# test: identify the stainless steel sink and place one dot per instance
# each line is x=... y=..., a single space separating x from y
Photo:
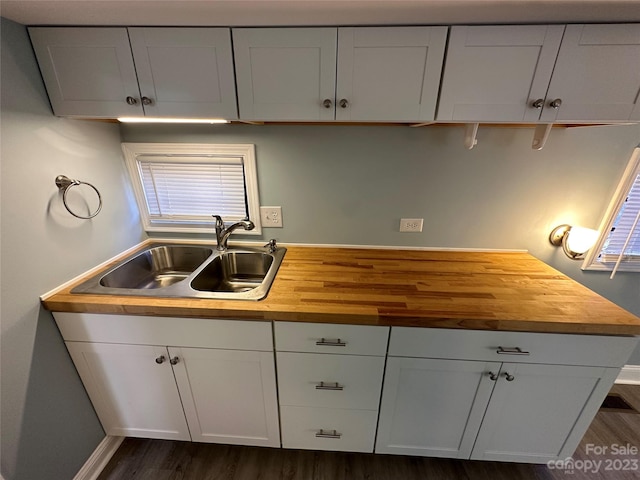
x=191 y=272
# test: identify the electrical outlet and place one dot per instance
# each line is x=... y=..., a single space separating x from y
x=271 y=216
x=411 y=224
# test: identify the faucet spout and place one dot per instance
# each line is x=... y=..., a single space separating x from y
x=222 y=233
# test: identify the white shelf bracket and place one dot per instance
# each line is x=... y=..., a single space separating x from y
x=540 y=135
x=470 y=132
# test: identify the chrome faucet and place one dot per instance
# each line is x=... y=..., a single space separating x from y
x=222 y=233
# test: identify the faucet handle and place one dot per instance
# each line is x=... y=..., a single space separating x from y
x=272 y=245
x=219 y=221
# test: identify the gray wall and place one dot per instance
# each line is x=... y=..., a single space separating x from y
x=49 y=428
x=352 y=184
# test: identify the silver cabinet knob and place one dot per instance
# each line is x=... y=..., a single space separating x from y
x=509 y=377
x=174 y=360
x=327 y=103
x=160 y=359
x=555 y=103
x=539 y=103
x=132 y=101
x=493 y=376
x=344 y=103
x=146 y=101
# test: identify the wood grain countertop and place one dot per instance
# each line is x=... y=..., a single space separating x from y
x=510 y=291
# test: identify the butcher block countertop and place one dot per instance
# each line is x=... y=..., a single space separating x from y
x=510 y=291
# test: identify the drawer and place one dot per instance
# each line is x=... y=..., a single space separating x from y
x=358 y=378
x=552 y=348
x=331 y=338
x=313 y=428
x=172 y=331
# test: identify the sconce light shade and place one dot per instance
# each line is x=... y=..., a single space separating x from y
x=575 y=241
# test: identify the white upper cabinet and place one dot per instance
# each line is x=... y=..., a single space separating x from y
x=496 y=73
x=379 y=74
x=597 y=75
x=285 y=73
x=181 y=72
x=581 y=73
x=88 y=71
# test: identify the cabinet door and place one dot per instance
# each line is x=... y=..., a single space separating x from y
x=495 y=73
x=596 y=77
x=87 y=71
x=185 y=72
x=433 y=407
x=389 y=74
x=285 y=73
x=133 y=394
x=229 y=396
x=542 y=413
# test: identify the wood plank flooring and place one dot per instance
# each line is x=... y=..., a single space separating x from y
x=141 y=459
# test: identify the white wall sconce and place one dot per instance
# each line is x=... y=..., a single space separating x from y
x=575 y=241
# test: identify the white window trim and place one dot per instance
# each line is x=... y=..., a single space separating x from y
x=245 y=151
x=624 y=187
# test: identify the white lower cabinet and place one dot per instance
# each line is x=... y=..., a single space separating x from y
x=329 y=401
x=522 y=407
x=218 y=395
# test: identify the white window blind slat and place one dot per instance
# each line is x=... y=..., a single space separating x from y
x=623 y=230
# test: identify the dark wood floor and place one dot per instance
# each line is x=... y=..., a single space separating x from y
x=140 y=459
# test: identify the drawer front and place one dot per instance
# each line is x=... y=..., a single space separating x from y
x=551 y=348
x=331 y=338
x=172 y=331
x=332 y=381
x=313 y=428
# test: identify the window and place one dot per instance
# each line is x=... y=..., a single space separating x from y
x=178 y=186
x=618 y=247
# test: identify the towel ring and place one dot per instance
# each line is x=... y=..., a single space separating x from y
x=64 y=183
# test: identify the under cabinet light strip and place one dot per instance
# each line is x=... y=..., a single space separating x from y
x=170 y=120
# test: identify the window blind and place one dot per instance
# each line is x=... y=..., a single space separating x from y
x=187 y=189
x=625 y=229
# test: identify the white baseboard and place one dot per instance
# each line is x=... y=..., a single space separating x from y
x=99 y=458
x=629 y=375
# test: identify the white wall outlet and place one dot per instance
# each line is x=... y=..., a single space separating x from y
x=411 y=224
x=271 y=216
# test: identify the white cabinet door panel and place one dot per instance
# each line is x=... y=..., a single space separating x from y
x=542 y=413
x=285 y=73
x=133 y=395
x=597 y=74
x=359 y=380
x=433 y=407
x=494 y=73
x=229 y=396
x=389 y=73
x=185 y=72
x=87 y=71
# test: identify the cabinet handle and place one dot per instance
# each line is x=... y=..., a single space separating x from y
x=539 y=103
x=329 y=386
x=555 y=103
x=146 y=101
x=493 y=376
x=328 y=434
x=511 y=351
x=160 y=359
x=327 y=103
x=509 y=377
x=344 y=103
x=174 y=360
x=132 y=101
x=324 y=342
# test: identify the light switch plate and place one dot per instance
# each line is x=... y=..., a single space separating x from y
x=271 y=216
x=411 y=224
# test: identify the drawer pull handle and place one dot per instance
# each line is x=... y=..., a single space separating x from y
x=509 y=377
x=326 y=342
x=493 y=376
x=328 y=434
x=329 y=386
x=511 y=351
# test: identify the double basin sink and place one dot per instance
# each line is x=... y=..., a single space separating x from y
x=190 y=271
